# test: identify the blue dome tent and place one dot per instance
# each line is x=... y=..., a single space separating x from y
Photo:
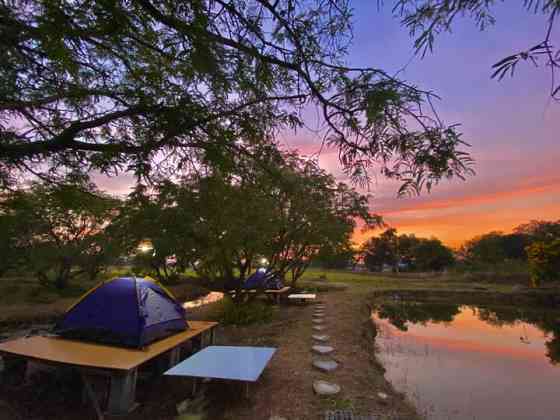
x=125 y=311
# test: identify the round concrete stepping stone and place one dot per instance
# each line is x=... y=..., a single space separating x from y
x=326 y=365
x=318 y=321
x=320 y=337
x=318 y=314
x=325 y=388
x=322 y=349
x=318 y=328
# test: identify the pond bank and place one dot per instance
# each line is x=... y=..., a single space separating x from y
x=549 y=298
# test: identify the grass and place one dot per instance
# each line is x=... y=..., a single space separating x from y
x=382 y=281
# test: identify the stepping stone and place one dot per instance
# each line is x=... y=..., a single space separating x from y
x=322 y=349
x=349 y=415
x=318 y=328
x=318 y=321
x=318 y=314
x=326 y=365
x=321 y=337
x=325 y=388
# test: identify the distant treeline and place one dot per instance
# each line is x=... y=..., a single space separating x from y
x=532 y=248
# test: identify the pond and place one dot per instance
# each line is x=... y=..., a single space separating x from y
x=469 y=362
x=204 y=300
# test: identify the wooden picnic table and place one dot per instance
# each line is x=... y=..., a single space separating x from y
x=118 y=363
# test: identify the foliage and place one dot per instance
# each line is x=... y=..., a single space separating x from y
x=55 y=228
x=406 y=252
x=381 y=250
x=340 y=257
x=544 y=261
x=223 y=223
x=427 y=19
x=155 y=88
x=431 y=255
x=495 y=248
x=252 y=312
x=540 y=230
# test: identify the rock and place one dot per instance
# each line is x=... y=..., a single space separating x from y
x=318 y=328
x=517 y=288
x=326 y=365
x=383 y=398
x=277 y=418
x=321 y=337
x=319 y=321
x=322 y=349
x=318 y=314
x=183 y=406
x=325 y=388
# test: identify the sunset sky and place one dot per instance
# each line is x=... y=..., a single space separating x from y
x=512 y=125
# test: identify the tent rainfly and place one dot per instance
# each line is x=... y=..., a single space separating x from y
x=124 y=311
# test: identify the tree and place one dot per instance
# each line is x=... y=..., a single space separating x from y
x=381 y=250
x=417 y=254
x=427 y=19
x=157 y=87
x=485 y=248
x=540 y=230
x=432 y=255
x=59 y=229
x=544 y=261
x=283 y=210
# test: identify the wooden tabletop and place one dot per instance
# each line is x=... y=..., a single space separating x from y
x=81 y=353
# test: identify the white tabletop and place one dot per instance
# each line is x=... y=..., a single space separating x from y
x=225 y=362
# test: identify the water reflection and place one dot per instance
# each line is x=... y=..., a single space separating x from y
x=465 y=362
x=401 y=314
x=209 y=298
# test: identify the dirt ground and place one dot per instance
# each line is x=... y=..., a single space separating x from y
x=284 y=389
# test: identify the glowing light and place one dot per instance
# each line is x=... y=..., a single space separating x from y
x=145 y=248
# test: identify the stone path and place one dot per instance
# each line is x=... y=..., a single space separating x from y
x=347 y=415
x=322 y=387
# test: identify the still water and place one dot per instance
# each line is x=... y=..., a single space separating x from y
x=466 y=362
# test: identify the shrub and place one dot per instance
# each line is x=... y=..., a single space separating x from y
x=544 y=261
x=244 y=313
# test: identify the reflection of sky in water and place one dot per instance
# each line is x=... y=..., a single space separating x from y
x=468 y=369
x=209 y=298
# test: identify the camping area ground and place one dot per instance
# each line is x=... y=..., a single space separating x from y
x=285 y=388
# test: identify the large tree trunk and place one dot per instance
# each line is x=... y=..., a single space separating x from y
x=61 y=280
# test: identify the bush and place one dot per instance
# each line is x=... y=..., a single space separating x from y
x=244 y=313
x=544 y=261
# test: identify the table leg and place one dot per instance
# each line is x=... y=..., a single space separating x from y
x=194 y=383
x=213 y=336
x=174 y=357
x=122 y=392
x=14 y=370
x=92 y=397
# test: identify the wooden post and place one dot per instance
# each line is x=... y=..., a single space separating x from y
x=122 y=392
x=213 y=336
